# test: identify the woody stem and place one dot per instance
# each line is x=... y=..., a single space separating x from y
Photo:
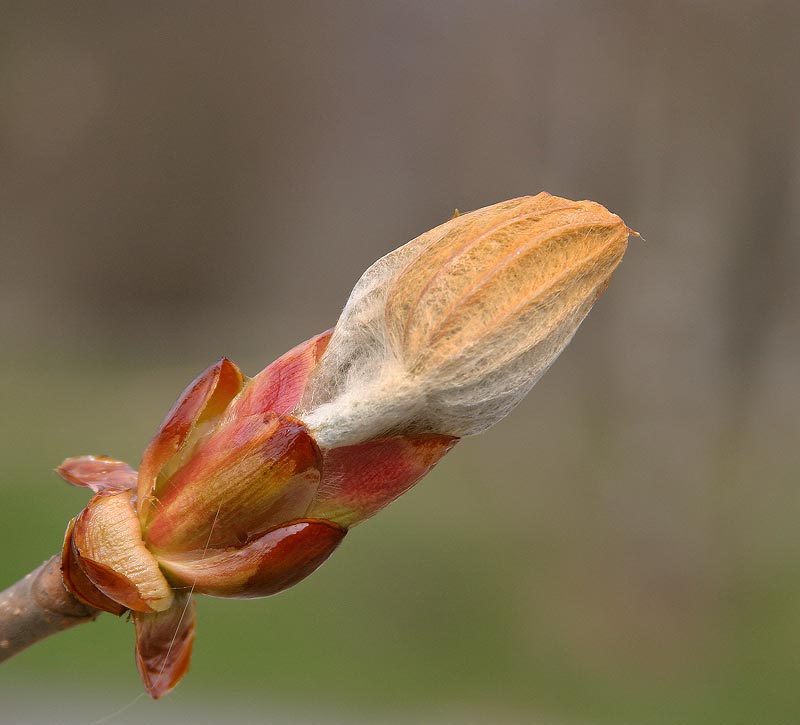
x=37 y=606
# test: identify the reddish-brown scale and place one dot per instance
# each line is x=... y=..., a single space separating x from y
x=358 y=481
x=78 y=584
x=114 y=585
x=108 y=542
x=279 y=387
x=275 y=561
x=98 y=473
x=206 y=397
x=164 y=642
x=249 y=476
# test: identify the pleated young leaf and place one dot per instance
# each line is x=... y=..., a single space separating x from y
x=449 y=332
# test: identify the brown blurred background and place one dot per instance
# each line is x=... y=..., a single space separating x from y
x=181 y=181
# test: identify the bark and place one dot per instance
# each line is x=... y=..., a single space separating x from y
x=36 y=607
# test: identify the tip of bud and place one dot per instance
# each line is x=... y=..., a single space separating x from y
x=634 y=233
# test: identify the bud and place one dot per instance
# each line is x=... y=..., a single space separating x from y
x=448 y=333
x=250 y=484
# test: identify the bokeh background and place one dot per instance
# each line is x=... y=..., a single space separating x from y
x=181 y=181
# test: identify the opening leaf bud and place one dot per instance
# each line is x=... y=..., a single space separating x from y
x=448 y=333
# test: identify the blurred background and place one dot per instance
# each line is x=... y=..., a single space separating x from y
x=181 y=181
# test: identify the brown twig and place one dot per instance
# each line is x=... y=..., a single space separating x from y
x=36 y=607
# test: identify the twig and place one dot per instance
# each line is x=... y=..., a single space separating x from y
x=36 y=607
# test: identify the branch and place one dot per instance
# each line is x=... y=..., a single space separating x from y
x=36 y=607
x=257 y=480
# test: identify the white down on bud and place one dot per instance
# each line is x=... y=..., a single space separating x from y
x=448 y=333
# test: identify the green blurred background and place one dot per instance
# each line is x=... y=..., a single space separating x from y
x=181 y=181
